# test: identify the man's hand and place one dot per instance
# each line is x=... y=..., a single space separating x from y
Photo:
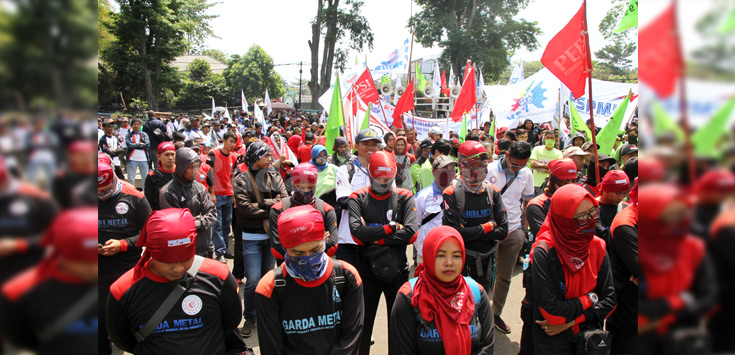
x=8 y=246
x=552 y=330
x=111 y=247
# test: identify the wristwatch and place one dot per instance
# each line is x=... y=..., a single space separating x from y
x=393 y=225
x=593 y=297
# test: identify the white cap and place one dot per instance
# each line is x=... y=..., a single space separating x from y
x=574 y=151
x=435 y=130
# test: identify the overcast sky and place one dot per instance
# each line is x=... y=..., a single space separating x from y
x=282 y=27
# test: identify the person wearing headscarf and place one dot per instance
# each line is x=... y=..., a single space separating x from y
x=342 y=154
x=327 y=172
x=404 y=159
x=572 y=282
x=309 y=285
x=305 y=184
x=253 y=211
x=183 y=192
x=611 y=192
x=65 y=277
x=389 y=140
x=454 y=313
x=204 y=322
x=166 y=155
x=677 y=281
x=712 y=190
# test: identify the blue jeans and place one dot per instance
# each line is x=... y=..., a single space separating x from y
x=258 y=261
x=221 y=234
x=132 y=169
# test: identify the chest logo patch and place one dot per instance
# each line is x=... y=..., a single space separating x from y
x=389 y=215
x=122 y=208
x=335 y=295
x=19 y=208
x=191 y=305
x=201 y=177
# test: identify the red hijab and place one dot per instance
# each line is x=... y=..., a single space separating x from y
x=571 y=240
x=449 y=305
x=660 y=245
x=294 y=142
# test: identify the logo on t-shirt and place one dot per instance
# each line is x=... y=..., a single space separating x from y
x=122 y=208
x=389 y=215
x=18 y=208
x=457 y=302
x=335 y=294
x=191 y=305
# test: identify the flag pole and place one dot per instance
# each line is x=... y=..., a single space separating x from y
x=683 y=106
x=589 y=83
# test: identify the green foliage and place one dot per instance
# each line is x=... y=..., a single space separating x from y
x=712 y=59
x=104 y=25
x=200 y=86
x=216 y=54
x=253 y=73
x=613 y=60
x=484 y=31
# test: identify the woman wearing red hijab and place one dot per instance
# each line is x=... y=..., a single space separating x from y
x=455 y=316
x=572 y=281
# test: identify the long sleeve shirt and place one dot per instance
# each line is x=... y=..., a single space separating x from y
x=472 y=223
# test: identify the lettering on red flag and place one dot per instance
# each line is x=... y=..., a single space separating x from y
x=566 y=55
x=365 y=88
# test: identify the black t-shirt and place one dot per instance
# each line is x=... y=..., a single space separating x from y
x=477 y=210
x=153 y=183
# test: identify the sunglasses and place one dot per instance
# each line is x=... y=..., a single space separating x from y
x=591 y=214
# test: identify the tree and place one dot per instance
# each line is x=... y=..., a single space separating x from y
x=613 y=60
x=483 y=31
x=104 y=25
x=216 y=54
x=253 y=73
x=337 y=25
x=712 y=60
x=150 y=34
x=195 y=22
x=200 y=86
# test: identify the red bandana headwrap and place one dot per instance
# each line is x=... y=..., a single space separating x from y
x=73 y=236
x=299 y=225
x=165 y=146
x=572 y=241
x=564 y=169
x=614 y=181
x=449 y=305
x=105 y=174
x=169 y=236
x=81 y=146
x=104 y=158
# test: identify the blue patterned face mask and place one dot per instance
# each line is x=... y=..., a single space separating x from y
x=307 y=268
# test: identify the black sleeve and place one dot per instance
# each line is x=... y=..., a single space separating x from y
x=276 y=248
x=402 y=339
x=624 y=243
x=15 y=325
x=118 y=326
x=208 y=211
x=535 y=216
x=142 y=211
x=500 y=215
x=211 y=159
x=330 y=225
x=554 y=310
x=365 y=234
x=704 y=290
x=353 y=313
x=231 y=305
x=487 y=322
x=410 y=226
x=605 y=290
x=452 y=218
x=601 y=231
x=149 y=192
x=166 y=198
x=270 y=334
x=146 y=141
x=210 y=176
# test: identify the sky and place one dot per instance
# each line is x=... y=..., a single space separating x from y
x=282 y=27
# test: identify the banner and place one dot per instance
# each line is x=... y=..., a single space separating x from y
x=397 y=61
x=704 y=98
x=607 y=97
x=535 y=98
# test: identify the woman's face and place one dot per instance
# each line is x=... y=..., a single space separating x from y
x=390 y=140
x=448 y=261
x=400 y=146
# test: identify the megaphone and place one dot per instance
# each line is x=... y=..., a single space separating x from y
x=454 y=93
x=386 y=89
x=429 y=91
x=400 y=90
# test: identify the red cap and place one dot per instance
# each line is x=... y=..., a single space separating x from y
x=73 y=235
x=614 y=181
x=105 y=174
x=81 y=146
x=564 y=168
x=650 y=170
x=304 y=172
x=299 y=225
x=716 y=181
x=104 y=158
x=164 y=146
x=546 y=126
x=471 y=149
x=382 y=165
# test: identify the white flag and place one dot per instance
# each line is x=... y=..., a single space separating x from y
x=517 y=74
x=437 y=81
x=227 y=114
x=212 y=106
x=268 y=106
x=244 y=101
x=258 y=114
x=452 y=78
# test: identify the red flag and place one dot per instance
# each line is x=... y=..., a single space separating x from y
x=445 y=89
x=467 y=97
x=566 y=55
x=405 y=104
x=466 y=71
x=659 y=54
x=364 y=87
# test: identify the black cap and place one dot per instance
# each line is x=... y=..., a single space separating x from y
x=628 y=149
x=426 y=143
x=604 y=157
x=367 y=134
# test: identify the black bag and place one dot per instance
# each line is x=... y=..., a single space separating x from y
x=384 y=263
x=162 y=136
x=687 y=341
x=593 y=342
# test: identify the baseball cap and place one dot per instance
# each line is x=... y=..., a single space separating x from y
x=109 y=122
x=572 y=151
x=455 y=141
x=304 y=172
x=366 y=134
x=588 y=144
x=442 y=161
x=564 y=168
x=614 y=181
x=472 y=149
x=382 y=165
x=604 y=157
x=105 y=174
x=435 y=130
x=206 y=124
x=426 y=143
x=628 y=149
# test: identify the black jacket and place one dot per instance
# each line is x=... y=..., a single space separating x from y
x=151 y=126
x=250 y=212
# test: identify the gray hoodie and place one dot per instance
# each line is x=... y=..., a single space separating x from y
x=180 y=193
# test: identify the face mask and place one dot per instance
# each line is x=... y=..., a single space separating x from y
x=307 y=268
x=381 y=189
x=346 y=154
x=303 y=197
x=549 y=143
x=473 y=178
x=111 y=192
x=320 y=161
x=633 y=140
x=443 y=179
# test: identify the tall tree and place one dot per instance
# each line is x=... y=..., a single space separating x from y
x=253 y=73
x=484 y=31
x=614 y=61
x=216 y=54
x=150 y=34
x=200 y=86
x=335 y=25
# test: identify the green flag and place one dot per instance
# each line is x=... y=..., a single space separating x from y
x=420 y=79
x=729 y=24
x=708 y=136
x=607 y=135
x=630 y=18
x=366 y=121
x=576 y=122
x=463 y=130
x=662 y=123
x=492 y=126
x=336 y=117
x=384 y=80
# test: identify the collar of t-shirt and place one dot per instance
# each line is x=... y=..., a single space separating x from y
x=436 y=189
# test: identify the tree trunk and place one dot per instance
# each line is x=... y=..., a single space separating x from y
x=330 y=40
x=143 y=54
x=314 y=48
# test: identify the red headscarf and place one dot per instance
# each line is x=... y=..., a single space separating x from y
x=571 y=240
x=169 y=236
x=660 y=243
x=650 y=170
x=294 y=142
x=449 y=305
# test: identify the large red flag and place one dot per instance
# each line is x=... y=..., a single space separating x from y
x=445 y=89
x=566 y=55
x=659 y=54
x=364 y=87
x=405 y=104
x=467 y=97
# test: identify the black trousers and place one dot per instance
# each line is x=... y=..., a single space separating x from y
x=238 y=264
x=371 y=291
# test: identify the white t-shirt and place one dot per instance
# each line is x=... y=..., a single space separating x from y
x=112 y=142
x=137 y=154
x=513 y=197
x=427 y=203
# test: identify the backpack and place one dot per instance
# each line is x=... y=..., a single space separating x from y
x=318 y=204
x=459 y=194
x=279 y=282
x=470 y=282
